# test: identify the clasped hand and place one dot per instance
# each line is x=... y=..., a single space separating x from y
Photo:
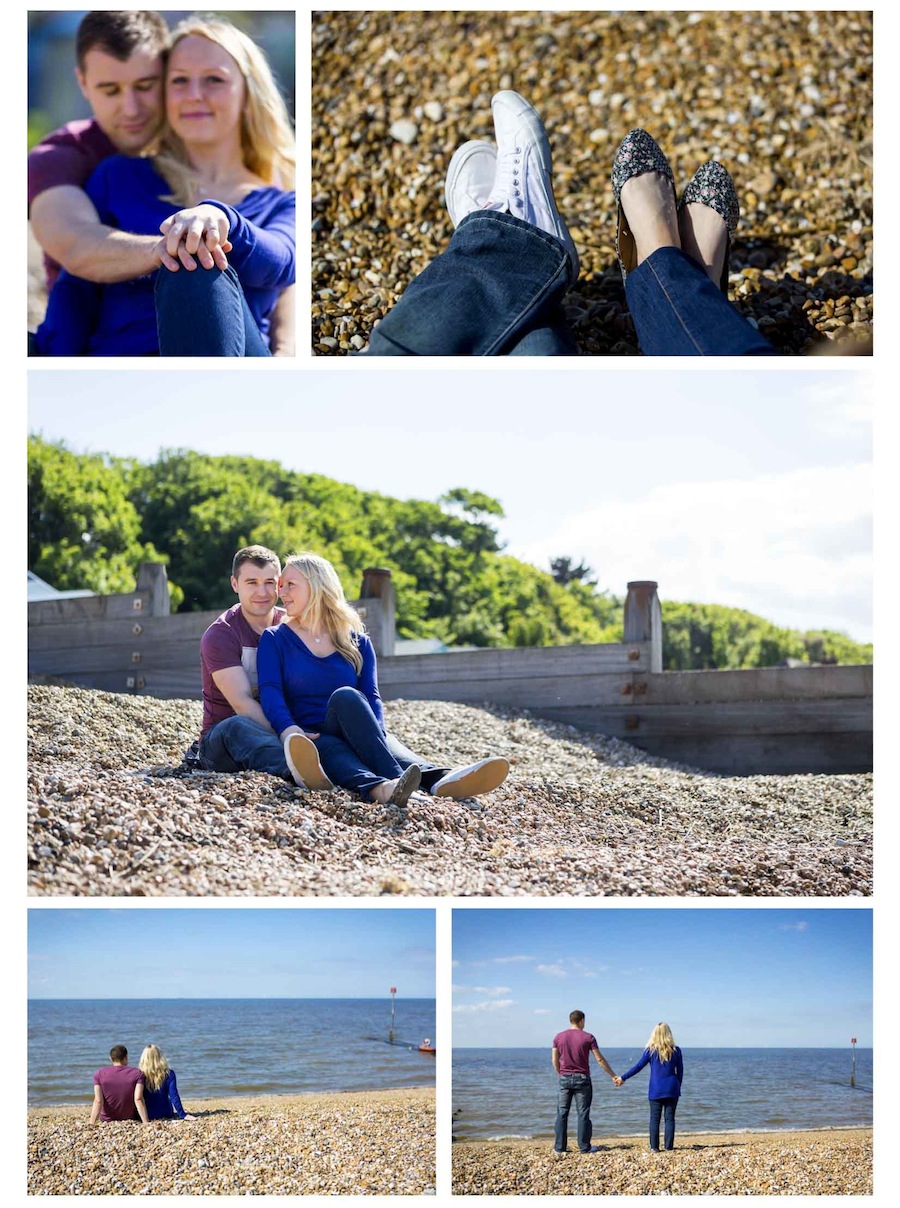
x=617 y=1081
x=199 y=231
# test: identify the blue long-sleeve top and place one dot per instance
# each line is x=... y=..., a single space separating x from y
x=119 y=319
x=665 y=1076
x=164 y=1103
x=295 y=685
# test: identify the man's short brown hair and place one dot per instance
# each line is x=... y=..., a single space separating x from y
x=259 y=555
x=118 y=1053
x=576 y=1017
x=120 y=34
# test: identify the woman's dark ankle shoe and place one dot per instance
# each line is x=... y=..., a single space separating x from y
x=638 y=153
x=406 y=785
x=711 y=185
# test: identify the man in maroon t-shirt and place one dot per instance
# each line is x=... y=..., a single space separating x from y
x=120 y=63
x=236 y=734
x=570 y=1056
x=118 y=1090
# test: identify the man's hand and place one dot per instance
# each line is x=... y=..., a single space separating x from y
x=140 y=1104
x=97 y=1105
x=617 y=1081
x=200 y=231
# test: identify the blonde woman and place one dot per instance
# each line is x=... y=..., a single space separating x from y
x=220 y=189
x=666 y=1073
x=318 y=687
x=160 y=1088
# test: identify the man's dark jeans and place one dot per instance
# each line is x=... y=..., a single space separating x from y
x=577 y=1087
x=657 y=1107
x=240 y=744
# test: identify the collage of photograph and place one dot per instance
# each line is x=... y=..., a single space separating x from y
x=448 y=780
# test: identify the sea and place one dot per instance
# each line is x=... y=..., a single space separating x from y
x=221 y=1047
x=506 y=1093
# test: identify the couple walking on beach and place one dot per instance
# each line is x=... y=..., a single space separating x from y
x=146 y=1092
x=293 y=691
x=570 y=1055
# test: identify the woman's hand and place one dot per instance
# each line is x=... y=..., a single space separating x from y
x=200 y=231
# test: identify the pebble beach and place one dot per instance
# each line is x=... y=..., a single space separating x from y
x=110 y=812
x=361 y=1143
x=783 y=99
x=783 y=1163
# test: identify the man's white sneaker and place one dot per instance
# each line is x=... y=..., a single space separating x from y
x=470 y=178
x=523 y=183
x=473 y=780
x=303 y=764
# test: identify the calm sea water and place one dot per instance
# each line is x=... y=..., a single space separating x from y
x=512 y=1092
x=220 y=1047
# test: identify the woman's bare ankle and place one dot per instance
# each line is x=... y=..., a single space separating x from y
x=648 y=202
x=704 y=237
x=381 y=793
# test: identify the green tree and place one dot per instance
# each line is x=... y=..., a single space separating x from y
x=83 y=531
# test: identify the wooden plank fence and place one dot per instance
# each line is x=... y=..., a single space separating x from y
x=765 y=720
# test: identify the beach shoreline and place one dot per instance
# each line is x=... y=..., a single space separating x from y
x=827 y=1161
x=334 y=1143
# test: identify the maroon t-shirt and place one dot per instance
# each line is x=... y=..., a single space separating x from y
x=230 y=641
x=66 y=157
x=117 y=1083
x=575 y=1047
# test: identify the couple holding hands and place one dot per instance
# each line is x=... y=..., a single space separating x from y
x=570 y=1055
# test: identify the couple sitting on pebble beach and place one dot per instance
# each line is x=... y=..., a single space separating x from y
x=570 y=1056
x=293 y=691
x=148 y=1092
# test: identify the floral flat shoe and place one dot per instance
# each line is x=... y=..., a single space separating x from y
x=712 y=186
x=637 y=153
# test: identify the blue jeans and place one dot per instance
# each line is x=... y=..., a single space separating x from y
x=203 y=313
x=496 y=291
x=580 y=1088
x=678 y=312
x=240 y=744
x=657 y=1107
x=356 y=753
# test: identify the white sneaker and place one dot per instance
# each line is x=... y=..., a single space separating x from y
x=303 y=764
x=523 y=183
x=470 y=781
x=470 y=178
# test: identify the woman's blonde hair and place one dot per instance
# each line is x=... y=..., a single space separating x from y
x=154 y=1067
x=327 y=607
x=662 y=1041
x=267 y=139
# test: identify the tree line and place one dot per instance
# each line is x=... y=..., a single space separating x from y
x=93 y=518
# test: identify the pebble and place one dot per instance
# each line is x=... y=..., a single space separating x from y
x=112 y=813
x=827 y=1162
x=785 y=103
x=360 y=1143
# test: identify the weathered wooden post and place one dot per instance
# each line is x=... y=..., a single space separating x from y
x=643 y=619
x=391 y=1033
x=853 y=1062
x=152 y=578
x=381 y=621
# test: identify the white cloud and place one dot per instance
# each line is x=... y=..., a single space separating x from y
x=490 y=991
x=795 y=926
x=509 y=960
x=543 y=1011
x=476 y=1008
x=794 y=547
x=551 y=970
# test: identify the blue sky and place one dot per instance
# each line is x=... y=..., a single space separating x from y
x=720 y=977
x=234 y=953
x=751 y=489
